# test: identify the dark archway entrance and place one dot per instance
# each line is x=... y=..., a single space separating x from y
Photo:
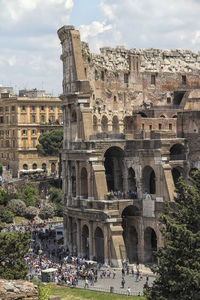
x=113 y=168
x=177 y=152
x=85 y=242
x=176 y=174
x=99 y=245
x=130 y=235
x=149 y=180
x=150 y=245
x=131 y=180
x=84 y=183
x=73 y=182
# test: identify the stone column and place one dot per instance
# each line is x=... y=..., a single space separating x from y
x=91 y=240
x=140 y=247
x=125 y=179
x=78 y=189
x=79 y=239
x=106 y=245
x=90 y=182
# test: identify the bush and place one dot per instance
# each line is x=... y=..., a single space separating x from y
x=29 y=194
x=7 y=216
x=17 y=206
x=31 y=212
x=47 y=211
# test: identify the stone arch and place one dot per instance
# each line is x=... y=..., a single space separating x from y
x=85 y=242
x=84 y=183
x=34 y=166
x=142 y=114
x=131 y=180
x=99 y=244
x=115 y=124
x=25 y=167
x=44 y=166
x=130 y=234
x=177 y=172
x=104 y=124
x=174 y=116
x=150 y=245
x=177 y=152
x=163 y=116
x=95 y=124
x=114 y=168
x=149 y=180
x=74 y=116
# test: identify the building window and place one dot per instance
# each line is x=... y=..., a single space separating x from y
x=7 y=108
x=1 y=155
x=115 y=99
x=42 y=131
x=7 y=143
x=61 y=119
x=1 y=108
x=51 y=119
x=34 y=142
x=13 y=119
x=33 y=132
x=7 y=132
x=33 y=108
x=42 y=118
x=13 y=143
x=126 y=78
x=183 y=80
x=60 y=108
x=102 y=75
x=34 y=166
x=23 y=108
x=7 y=119
x=153 y=79
x=13 y=108
x=13 y=133
x=168 y=99
x=42 y=107
x=1 y=119
x=150 y=127
x=23 y=132
x=142 y=126
x=33 y=118
x=51 y=108
x=25 y=167
x=159 y=126
x=170 y=126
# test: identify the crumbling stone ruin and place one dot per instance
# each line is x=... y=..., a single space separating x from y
x=131 y=129
x=17 y=289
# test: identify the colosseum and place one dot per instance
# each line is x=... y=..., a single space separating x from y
x=131 y=129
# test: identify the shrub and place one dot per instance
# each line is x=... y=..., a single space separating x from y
x=47 y=211
x=17 y=206
x=31 y=212
x=7 y=216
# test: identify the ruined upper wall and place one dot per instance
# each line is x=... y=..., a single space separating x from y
x=150 y=60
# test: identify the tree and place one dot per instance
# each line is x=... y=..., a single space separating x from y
x=55 y=196
x=6 y=215
x=178 y=271
x=50 y=142
x=17 y=206
x=13 y=247
x=31 y=212
x=29 y=194
x=47 y=211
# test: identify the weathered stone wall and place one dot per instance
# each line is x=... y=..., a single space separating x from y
x=17 y=290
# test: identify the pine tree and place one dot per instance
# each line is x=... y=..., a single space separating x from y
x=13 y=247
x=178 y=270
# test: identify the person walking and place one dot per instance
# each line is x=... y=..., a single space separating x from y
x=128 y=291
x=123 y=282
x=86 y=283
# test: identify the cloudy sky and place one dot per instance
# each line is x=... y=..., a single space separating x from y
x=30 y=49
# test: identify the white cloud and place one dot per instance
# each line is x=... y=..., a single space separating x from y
x=93 y=29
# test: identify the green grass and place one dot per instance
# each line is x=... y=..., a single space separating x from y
x=19 y=220
x=67 y=293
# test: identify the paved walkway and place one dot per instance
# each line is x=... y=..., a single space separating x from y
x=107 y=283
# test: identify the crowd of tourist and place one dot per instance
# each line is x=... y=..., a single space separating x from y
x=121 y=195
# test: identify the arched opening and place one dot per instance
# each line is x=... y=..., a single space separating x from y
x=95 y=124
x=176 y=173
x=84 y=183
x=131 y=181
x=74 y=117
x=174 y=117
x=150 y=245
x=162 y=116
x=73 y=174
x=74 y=239
x=104 y=124
x=25 y=167
x=149 y=180
x=113 y=168
x=130 y=235
x=34 y=166
x=177 y=152
x=53 y=168
x=143 y=115
x=85 y=242
x=115 y=124
x=99 y=245
x=44 y=167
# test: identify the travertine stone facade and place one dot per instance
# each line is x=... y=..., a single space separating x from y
x=18 y=289
x=125 y=144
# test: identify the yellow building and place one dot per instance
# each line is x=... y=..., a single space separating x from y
x=22 y=121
